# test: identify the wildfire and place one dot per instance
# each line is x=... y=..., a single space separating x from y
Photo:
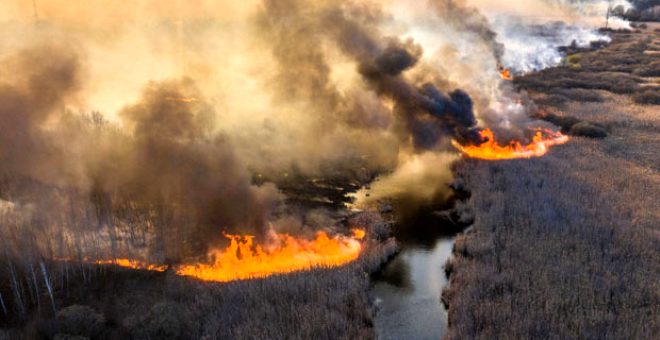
x=359 y=233
x=134 y=264
x=505 y=74
x=244 y=259
x=541 y=143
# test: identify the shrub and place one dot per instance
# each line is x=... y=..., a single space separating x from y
x=649 y=70
x=552 y=100
x=574 y=59
x=80 y=321
x=585 y=129
x=649 y=97
x=165 y=320
x=565 y=78
x=564 y=122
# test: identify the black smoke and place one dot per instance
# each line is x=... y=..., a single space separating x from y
x=177 y=158
x=165 y=171
x=36 y=81
x=427 y=113
x=298 y=30
x=451 y=115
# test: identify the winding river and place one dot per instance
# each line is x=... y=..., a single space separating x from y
x=406 y=291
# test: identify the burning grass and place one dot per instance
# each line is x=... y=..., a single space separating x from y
x=244 y=259
x=491 y=150
x=133 y=264
x=125 y=303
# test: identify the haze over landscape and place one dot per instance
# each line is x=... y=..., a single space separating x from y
x=455 y=169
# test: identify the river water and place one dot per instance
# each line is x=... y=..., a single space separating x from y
x=407 y=292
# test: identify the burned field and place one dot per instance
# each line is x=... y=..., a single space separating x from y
x=565 y=246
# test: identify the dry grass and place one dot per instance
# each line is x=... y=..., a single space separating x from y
x=565 y=246
x=129 y=304
x=648 y=96
x=567 y=79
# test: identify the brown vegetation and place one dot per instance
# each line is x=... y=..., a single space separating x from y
x=565 y=246
x=585 y=129
x=649 y=96
x=107 y=302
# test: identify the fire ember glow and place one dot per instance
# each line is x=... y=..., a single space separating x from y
x=134 y=264
x=491 y=150
x=244 y=259
x=505 y=74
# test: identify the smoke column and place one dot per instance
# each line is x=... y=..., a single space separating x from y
x=143 y=136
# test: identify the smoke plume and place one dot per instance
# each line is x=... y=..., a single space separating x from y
x=144 y=136
x=176 y=157
x=36 y=82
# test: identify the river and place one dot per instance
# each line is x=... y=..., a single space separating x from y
x=407 y=291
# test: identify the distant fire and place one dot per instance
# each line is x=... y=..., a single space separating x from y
x=491 y=150
x=359 y=233
x=244 y=259
x=134 y=264
x=505 y=74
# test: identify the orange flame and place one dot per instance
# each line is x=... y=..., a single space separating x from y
x=134 y=264
x=541 y=143
x=245 y=260
x=505 y=74
x=359 y=233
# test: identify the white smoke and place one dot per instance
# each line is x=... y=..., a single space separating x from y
x=532 y=47
x=533 y=30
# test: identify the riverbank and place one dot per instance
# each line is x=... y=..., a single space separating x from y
x=406 y=290
x=406 y=293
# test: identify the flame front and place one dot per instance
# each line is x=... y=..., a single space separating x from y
x=134 y=264
x=541 y=143
x=244 y=259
